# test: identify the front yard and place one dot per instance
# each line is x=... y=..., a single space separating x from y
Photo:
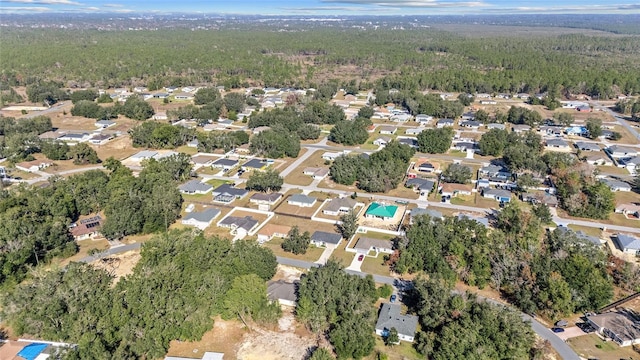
x=275 y=244
x=592 y=347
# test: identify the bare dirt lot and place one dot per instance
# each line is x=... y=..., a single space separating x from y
x=119 y=265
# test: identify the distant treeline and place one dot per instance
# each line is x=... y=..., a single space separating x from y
x=411 y=59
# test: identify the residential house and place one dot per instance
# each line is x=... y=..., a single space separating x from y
x=468 y=116
x=316 y=173
x=254 y=164
x=140 y=89
x=520 y=128
x=424 y=186
x=557 y=144
x=270 y=231
x=496 y=126
x=463 y=146
x=412 y=142
x=242 y=149
x=401 y=117
x=49 y=135
x=183 y=96
x=225 y=164
x=214 y=127
x=143 y=155
x=189 y=89
x=100 y=139
x=103 y=124
x=587 y=146
x=326 y=239
x=482 y=220
x=388 y=130
x=576 y=131
x=426 y=167
x=75 y=137
x=380 y=211
x=366 y=245
x=540 y=198
x=283 y=292
x=414 y=131
x=503 y=96
x=629 y=210
x=382 y=141
x=86 y=228
x=265 y=199
x=616 y=185
x=555 y=131
x=453 y=190
x=301 y=200
x=161 y=95
x=226 y=193
x=193 y=143
x=483 y=96
x=424 y=119
x=259 y=129
x=331 y=156
x=631 y=164
x=337 y=206
x=200 y=160
x=494 y=173
x=523 y=96
x=482 y=184
x=599 y=159
x=390 y=317
x=170 y=89
x=445 y=123
x=193 y=187
x=584 y=108
x=33 y=166
x=434 y=214
x=628 y=244
x=239 y=225
x=201 y=219
x=488 y=102
x=471 y=124
x=160 y=115
x=500 y=195
x=621 y=327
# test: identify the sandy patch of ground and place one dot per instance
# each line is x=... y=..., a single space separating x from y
x=287 y=273
x=271 y=345
x=119 y=265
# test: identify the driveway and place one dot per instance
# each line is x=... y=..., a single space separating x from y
x=570 y=332
x=355 y=264
x=326 y=254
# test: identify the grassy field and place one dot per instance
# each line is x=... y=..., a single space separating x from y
x=275 y=244
x=404 y=351
x=592 y=347
x=587 y=230
x=375 y=265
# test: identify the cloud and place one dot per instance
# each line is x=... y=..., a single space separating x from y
x=567 y=9
x=412 y=3
x=9 y=9
x=91 y=8
x=337 y=8
x=44 y=2
x=113 y=5
x=123 y=11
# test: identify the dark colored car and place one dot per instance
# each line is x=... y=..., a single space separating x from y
x=361 y=257
x=393 y=298
x=557 y=330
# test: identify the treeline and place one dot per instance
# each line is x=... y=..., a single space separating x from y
x=416 y=103
x=19 y=138
x=181 y=281
x=134 y=108
x=151 y=134
x=34 y=221
x=303 y=123
x=419 y=59
x=380 y=172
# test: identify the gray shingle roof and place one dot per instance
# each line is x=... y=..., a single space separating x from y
x=195 y=186
x=628 y=242
x=365 y=243
x=225 y=162
x=282 y=290
x=390 y=317
x=246 y=222
x=226 y=189
x=433 y=213
x=203 y=216
x=340 y=203
x=326 y=237
x=303 y=199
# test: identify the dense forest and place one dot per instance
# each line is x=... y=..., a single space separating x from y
x=413 y=59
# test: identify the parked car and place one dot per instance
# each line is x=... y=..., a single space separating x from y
x=393 y=298
x=557 y=330
x=361 y=257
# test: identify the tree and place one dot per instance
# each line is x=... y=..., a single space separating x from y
x=78 y=95
x=456 y=173
x=267 y=181
x=365 y=112
x=276 y=143
x=493 y=142
x=235 y=102
x=348 y=224
x=482 y=116
x=594 y=127
x=435 y=141
x=55 y=150
x=247 y=298
x=542 y=212
x=349 y=132
x=392 y=338
x=466 y=99
x=321 y=354
x=563 y=118
x=88 y=109
x=83 y=154
x=137 y=109
x=206 y=96
x=296 y=242
x=104 y=99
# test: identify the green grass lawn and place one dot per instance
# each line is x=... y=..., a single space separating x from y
x=587 y=230
x=215 y=183
x=275 y=244
x=376 y=265
x=404 y=351
x=591 y=346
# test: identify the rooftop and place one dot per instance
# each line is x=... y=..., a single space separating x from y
x=326 y=237
x=301 y=198
x=365 y=243
x=203 y=216
x=390 y=317
x=381 y=210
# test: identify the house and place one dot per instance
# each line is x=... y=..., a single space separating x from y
x=557 y=144
x=100 y=139
x=464 y=146
x=480 y=220
x=316 y=173
x=339 y=206
x=494 y=173
x=500 y=195
x=401 y=117
x=599 y=159
x=496 y=126
x=503 y=96
x=380 y=211
x=390 y=317
x=576 y=131
x=388 y=130
x=426 y=167
x=259 y=129
x=587 y=146
x=239 y=225
x=86 y=228
x=265 y=199
x=424 y=119
x=224 y=164
x=189 y=89
x=139 y=89
x=483 y=96
x=192 y=187
x=621 y=327
x=412 y=142
x=193 y=143
x=629 y=210
x=540 y=198
x=434 y=214
x=143 y=155
x=555 y=131
x=270 y=231
x=366 y=245
x=75 y=137
x=49 y=135
x=254 y=164
x=616 y=185
x=482 y=184
x=226 y=193
x=183 y=96
x=631 y=164
x=414 y=131
x=29 y=349
x=331 y=156
x=584 y=108
x=422 y=185
x=161 y=95
x=283 y=292
x=445 y=123
x=170 y=89
x=453 y=190
x=103 y=124
x=200 y=160
x=160 y=115
x=201 y=219
x=520 y=128
x=326 y=239
x=301 y=200
x=33 y=166
x=471 y=124
x=523 y=96
x=488 y=102
x=628 y=244
x=382 y=141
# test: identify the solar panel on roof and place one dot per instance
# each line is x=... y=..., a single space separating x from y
x=92 y=225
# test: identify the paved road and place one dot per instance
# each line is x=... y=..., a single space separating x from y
x=620 y=120
x=111 y=251
x=44 y=175
x=301 y=159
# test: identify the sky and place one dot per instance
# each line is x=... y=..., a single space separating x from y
x=325 y=7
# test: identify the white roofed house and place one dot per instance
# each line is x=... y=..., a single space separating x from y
x=619 y=152
x=201 y=219
x=195 y=187
x=631 y=164
x=616 y=185
x=33 y=166
x=445 y=123
x=557 y=145
x=388 y=130
x=75 y=137
x=326 y=239
x=424 y=119
x=316 y=173
x=587 y=146
x=366 y=245
x=100 y=139
x=599 y=159
x=382 y=141
x=240 y=226
x=472 y=124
